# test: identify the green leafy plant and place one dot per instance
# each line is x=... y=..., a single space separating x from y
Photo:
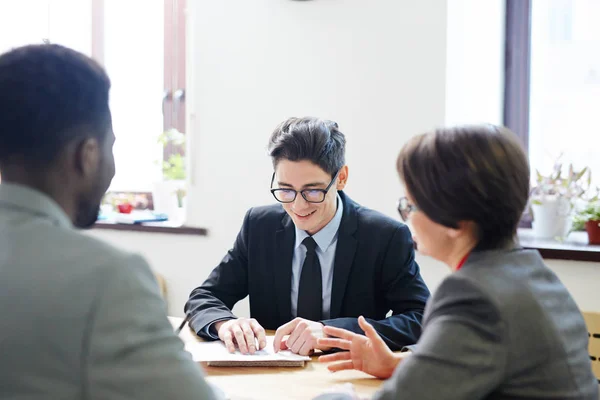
x=590 y=213
x=174 y=167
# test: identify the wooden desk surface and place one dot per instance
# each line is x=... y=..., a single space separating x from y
x=254 y=383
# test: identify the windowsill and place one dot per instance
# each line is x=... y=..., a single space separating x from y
x=154 y=227
x=574 y=247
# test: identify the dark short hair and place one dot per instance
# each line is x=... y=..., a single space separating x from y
x=476 y=173
x=316 y=140
x=49 y=96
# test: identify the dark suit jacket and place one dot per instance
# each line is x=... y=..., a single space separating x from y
x=374 y=272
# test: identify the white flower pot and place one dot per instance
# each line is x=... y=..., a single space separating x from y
x=551 y=218
x=164 y=196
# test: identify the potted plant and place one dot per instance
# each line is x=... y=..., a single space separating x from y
x=174 y=166
x=554 y=197
x=168 y=194
x=589 y=219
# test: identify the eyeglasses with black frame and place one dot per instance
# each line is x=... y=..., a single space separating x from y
x=310 y=195
x=405 y=208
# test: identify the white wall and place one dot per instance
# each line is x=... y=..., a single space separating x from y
x=379 y=70
x=580 y=278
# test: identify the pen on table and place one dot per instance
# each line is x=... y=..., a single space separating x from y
x=180 y=327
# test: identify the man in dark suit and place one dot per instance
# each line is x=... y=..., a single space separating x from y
x=317 y=259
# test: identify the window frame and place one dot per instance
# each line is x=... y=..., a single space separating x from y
x=517 y=76
x=174 y=105
x=174 y=79
x=517 y=68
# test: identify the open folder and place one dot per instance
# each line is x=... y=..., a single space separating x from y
x=215 y=354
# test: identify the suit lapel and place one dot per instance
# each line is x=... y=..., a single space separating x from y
x=344 y=255
x=284 y=251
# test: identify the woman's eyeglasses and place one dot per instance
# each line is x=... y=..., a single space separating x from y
x=405 y=208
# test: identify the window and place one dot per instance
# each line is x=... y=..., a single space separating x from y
x=552 y=86
x=142 y=46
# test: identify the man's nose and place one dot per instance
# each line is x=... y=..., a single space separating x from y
x=300 y=202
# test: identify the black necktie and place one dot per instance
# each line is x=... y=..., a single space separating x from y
x=310 y=290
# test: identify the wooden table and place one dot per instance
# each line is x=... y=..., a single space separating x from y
x=253 y=383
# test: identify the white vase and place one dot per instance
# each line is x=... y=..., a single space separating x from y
x=164 y=197
x=551 y=218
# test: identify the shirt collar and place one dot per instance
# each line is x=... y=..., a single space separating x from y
x=33 y=201
x=325 y=236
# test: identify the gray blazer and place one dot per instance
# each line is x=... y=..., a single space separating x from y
x=502 y=327
x=80 y=319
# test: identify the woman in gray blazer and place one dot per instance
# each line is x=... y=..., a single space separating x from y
x=502 y=325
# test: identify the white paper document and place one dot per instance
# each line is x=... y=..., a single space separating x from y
x=216 y=354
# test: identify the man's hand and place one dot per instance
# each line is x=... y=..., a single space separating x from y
x=303 y=336
x=367 y=353
x=242 y=331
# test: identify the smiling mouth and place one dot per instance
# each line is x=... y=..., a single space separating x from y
x=305 y=215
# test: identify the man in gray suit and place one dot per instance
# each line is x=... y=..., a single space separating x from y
x=79 y=318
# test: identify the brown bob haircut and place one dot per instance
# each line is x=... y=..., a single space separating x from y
x=477 y=173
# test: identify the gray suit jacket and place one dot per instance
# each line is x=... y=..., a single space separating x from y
x=502 y=327
x=80 y=319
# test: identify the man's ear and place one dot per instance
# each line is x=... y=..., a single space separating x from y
x=342 y=178
x=87 y=156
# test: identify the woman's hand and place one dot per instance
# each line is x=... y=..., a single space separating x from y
x=367 y=353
